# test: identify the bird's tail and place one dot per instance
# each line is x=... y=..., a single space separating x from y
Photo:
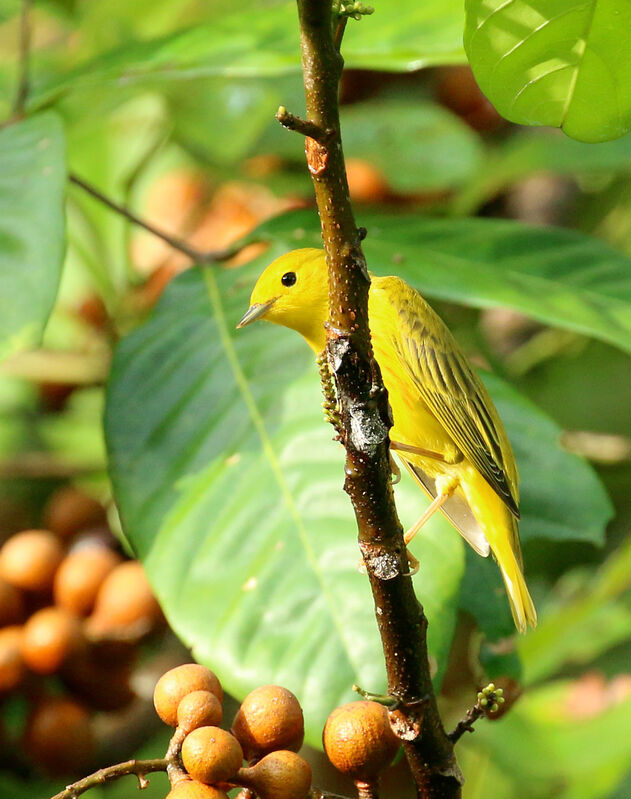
x=508 y=557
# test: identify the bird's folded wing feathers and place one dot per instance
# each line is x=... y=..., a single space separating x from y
x=457 y=397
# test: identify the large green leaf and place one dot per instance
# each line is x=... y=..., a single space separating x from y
x=32 y=175
x=557 y=276
x=555 y=62
x=230 y=490
x=263 y=40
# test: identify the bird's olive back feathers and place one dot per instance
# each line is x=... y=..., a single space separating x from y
x=450 y=387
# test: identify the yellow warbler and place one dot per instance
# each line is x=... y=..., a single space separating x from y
x=446 y=429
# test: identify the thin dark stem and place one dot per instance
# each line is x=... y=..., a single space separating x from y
x=139 y=768
x=339 y=32
x=466 y=724
x=490 y=699
x=197 y=256
x=22 y=90
x=366 y=419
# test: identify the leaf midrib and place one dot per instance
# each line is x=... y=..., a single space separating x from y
x=214 y=297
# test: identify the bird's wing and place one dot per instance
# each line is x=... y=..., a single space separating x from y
x=458 y=399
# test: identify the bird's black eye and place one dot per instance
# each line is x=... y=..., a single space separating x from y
x=288 y=279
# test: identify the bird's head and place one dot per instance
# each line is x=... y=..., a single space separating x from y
x=293 y=291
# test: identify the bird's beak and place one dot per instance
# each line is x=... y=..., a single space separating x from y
x=255 y=312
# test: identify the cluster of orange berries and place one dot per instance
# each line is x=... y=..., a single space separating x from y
x=72 y=611
x=267 y=731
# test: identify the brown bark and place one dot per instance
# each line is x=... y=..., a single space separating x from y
x=366 y=420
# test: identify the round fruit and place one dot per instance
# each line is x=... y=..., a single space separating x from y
x=199 y=709
x=211 y=755
x=11 y=604
x=69 y=511
x=269 y=718
x=365 y=182
x=50 y=636
x=176 y=683
x=30 y=559
x=59 y=737
x=279 y=775
x=124 y=601
x=12 y=668
x=192 y=789
x=79 y=578
x=358 y=739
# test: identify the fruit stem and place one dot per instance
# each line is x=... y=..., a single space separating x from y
x=367 y=790
x=175 y=770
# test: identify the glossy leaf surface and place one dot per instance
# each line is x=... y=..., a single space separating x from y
x=554 y=62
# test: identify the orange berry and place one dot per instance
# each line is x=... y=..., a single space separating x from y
x=124 y=600
x=279 y=775
x=59 y=737
x=11 y=604
x=269 y=718
x=176 y=683
x=365 y=182
x=192 y=789
x=12 y=668
x=50 y=636
x=80 y=576
x=358 y=739
x=211 y=755
x=69 y=510
x=30 y=559
x=199 y=709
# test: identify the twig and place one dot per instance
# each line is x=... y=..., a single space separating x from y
x=466 y=724
x=197 y=256
x=339 y=32
x=139 y=768
x=292 y=122
x=22 y=90
x=489 y=700
x=363 y=401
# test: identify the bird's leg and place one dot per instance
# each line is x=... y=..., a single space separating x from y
x=426 y=453
x=445 y=488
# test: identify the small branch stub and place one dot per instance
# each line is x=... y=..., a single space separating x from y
x=309 y=129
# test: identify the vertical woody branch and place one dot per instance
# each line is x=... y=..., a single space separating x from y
x=365 y=415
